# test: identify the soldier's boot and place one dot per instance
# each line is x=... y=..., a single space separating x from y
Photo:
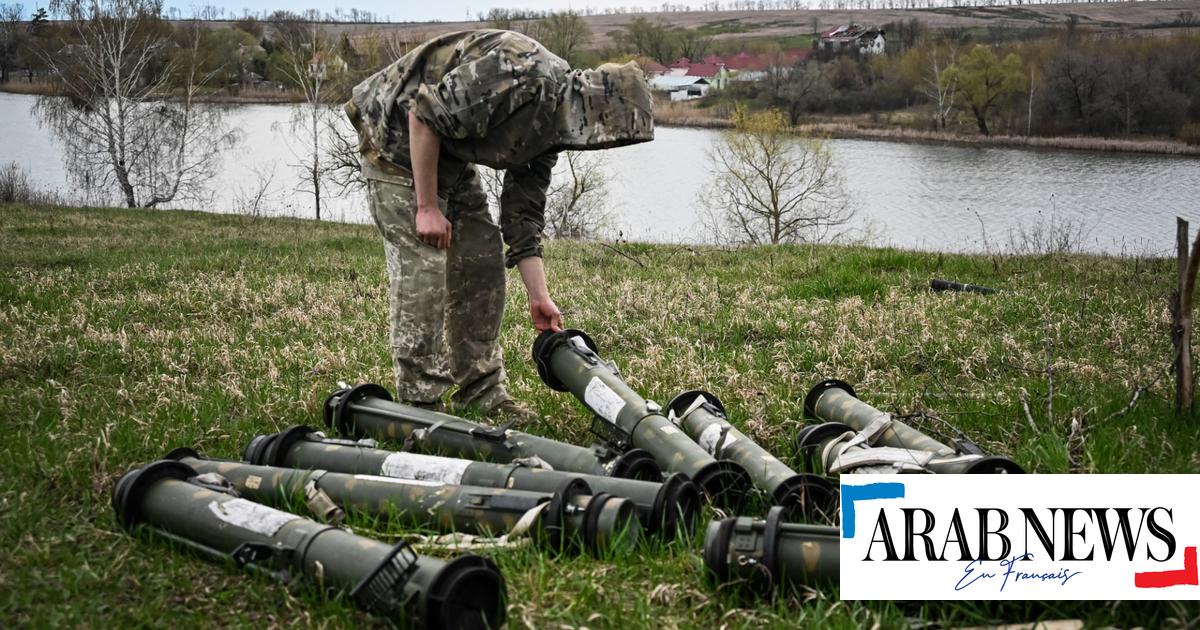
x=512 y=413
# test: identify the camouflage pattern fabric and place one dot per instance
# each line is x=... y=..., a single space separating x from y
x=500 y=99
x=445 y=305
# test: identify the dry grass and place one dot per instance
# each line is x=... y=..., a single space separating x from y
x=126 y=333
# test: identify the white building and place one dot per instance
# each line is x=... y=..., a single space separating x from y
x=681 y=88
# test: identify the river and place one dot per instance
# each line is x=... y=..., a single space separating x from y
x=923 y=196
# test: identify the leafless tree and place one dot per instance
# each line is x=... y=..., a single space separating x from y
x=11 y=34
x=307 y=60
x=564 y=34
x=771 y=186
x=576 y=203
x=939 y=86
x=131 y=116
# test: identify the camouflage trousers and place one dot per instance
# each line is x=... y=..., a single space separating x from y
x=445 y=305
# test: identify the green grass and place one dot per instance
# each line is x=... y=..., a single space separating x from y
x=126 y=333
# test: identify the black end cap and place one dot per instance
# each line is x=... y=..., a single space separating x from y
x=469 y=592
x=274 y=451
x=177 y=454
x=683 y=400
x=724 y=483
x=129 y=489
x=716 y=547
x=337 y=407
x=770 y=560
x=636 y=463
x=543 y=349
x=810 y=401
x=676 y=507
x=809 y=438
x=806 y=498
x=554 y=519
x=256 y=449
x=995 y=465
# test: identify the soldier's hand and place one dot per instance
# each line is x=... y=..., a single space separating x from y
x=545 y=314
x=432 y=228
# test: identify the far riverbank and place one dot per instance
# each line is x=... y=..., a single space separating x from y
x=851 y=128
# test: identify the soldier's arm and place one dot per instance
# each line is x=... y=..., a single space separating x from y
x=432 y=226
x=522 y=218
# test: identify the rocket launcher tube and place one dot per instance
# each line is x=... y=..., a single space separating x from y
x=567 y=361
x=702 y=416
x=368 y=411
x=559 y=525
x=835 y=401
x=662 y=507
x=393 y=581
x=882 y=440
x=769 y=553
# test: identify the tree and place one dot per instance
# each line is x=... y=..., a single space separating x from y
x=771 y=186
x=576 y=201
x=565 y=34
x=11 y=37
x=304 y=58
x=982 y=80
x=131 y=117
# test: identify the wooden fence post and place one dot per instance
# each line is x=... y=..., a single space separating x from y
x=1181 y=315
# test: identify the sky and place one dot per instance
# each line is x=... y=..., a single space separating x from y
x=410 y=10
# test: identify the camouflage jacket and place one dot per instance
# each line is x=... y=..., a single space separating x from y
x=500 y=99
x=472 y=88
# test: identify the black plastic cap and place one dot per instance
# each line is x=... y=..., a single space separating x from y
x=337 y=407
x=683 y=400
x=995 y=465
x=809 y=438
x=716 y=547
x=274 y=451
x=256 y=449
x=814 y=394
x=676 y=507
x=636 y=464
x=129 y=490
x=554 y=519
x=544 y=347
x=725 y=484
x=806 y=498
x=469 y=592
x=182 y=452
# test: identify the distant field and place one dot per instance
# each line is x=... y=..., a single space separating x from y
x=775 y=24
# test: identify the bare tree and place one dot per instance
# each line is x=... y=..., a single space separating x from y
x=11 y=34
x=131 y=116
x=940 y=86
x=306 y=60
x=576 y=203
x=771 y=186
x=565 y=34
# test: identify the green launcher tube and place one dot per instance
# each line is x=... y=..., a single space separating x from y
x=702 y=417
x=663 y=508
x=368 y=411
x=559 y=521
x=166 y=498
x=770 y=553
x=567 y=361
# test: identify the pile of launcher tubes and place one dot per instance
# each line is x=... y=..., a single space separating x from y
x=651 y=476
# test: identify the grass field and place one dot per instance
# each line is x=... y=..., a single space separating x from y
x=126 y=333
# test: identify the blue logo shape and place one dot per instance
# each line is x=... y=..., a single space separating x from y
x=850 y=494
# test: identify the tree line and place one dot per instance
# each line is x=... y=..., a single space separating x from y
x=1063 y=82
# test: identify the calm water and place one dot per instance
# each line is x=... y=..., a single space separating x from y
x=916 y=196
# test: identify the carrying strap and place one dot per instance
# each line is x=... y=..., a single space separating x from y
x=855 y=451
x=458 y=541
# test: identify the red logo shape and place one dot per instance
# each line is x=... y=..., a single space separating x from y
x=1188 y=575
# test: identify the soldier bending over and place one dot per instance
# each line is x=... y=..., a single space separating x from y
x=489 y=97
